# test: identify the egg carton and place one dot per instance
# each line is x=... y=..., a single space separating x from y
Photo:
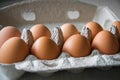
x=54 y=13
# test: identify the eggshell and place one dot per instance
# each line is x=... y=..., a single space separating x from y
x=8 y=32
x=45 y=49
x=94 y=27
x=68 y=30
x=106 y=43
x=13 y=50
x=77 y=46
x=39 y=30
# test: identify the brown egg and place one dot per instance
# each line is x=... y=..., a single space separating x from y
x=94 y=27
x=68 y=30
x=106 y=43
x=117 y=24
x=45 y=49
x=39 y=30
x=77 y=46
x=8 y=32
x=13 y=50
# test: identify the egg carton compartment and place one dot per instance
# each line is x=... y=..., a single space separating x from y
x=53 y=14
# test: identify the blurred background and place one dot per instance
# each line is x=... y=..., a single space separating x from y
x=112 y=4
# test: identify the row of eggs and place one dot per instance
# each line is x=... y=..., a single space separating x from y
x=14 y=49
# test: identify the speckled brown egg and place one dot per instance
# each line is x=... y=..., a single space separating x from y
x=13 y=50
x=68 y=29
x=94 y=27
x=77 y=46
x=45 y=49
x=106 y=42
x=40 y=30
x=8 y=32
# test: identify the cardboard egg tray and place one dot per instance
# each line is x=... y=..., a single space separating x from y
x=54 y=13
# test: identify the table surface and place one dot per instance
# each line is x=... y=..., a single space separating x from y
x=87 y=74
